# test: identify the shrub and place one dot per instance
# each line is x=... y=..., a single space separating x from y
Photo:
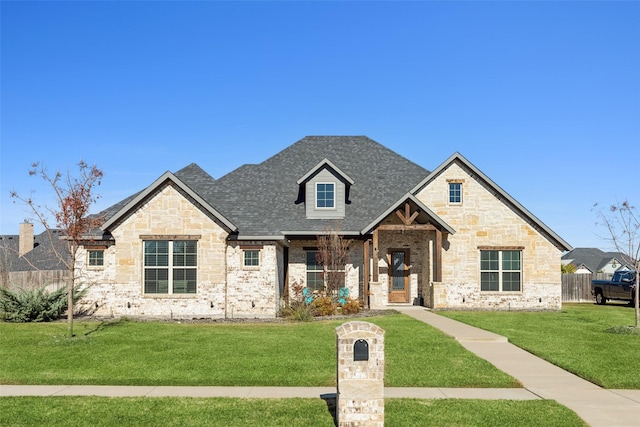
x=351 y=306
x=35 y=305
x=323 y=306
x=298 y=310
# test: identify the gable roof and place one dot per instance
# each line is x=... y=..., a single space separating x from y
x=501 y=194
x=325 y=163
x=439 y=222
x=594 y=259
x=261 y=201
x=197 y=179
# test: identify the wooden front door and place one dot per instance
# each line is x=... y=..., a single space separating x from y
x=399 y=275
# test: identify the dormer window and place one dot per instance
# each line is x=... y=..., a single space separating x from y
x=324 y=189
x=325 y=195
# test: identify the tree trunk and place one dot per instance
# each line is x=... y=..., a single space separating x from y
x=70 y=308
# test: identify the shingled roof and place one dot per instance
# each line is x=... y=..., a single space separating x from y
x=49 y=252
x=594 y=259
x=260 y=199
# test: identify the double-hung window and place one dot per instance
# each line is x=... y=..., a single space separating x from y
x=315 y=279
x=319 y=276
x=501 y=270
x=325 y=195
x=170 y=266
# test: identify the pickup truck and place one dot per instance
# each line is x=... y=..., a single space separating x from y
x=621 y=287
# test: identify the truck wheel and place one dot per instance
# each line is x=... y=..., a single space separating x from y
x=600 y=299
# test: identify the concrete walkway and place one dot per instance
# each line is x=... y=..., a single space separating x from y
x=256 y=392
x=540 y=379
x=597 y=406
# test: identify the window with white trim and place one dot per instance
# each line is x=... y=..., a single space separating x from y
x=325 y=195
x=455 y=193
x=170 y=266
x=501 y=270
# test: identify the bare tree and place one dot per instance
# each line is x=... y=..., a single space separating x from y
x=333 y=256
x=623 y=226
x=74 y=196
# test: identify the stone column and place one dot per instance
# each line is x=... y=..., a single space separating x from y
x=360 y=375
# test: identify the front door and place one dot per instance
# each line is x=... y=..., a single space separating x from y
x=399 y=275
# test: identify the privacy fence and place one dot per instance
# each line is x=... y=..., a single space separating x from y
x=577 y=287
x=52 y=279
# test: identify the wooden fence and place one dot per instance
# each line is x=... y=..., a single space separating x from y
x=577 y=287
x=52 y=279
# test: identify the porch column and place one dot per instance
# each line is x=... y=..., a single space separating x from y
x=365 y=273
x=437 y=257
x=375 y=255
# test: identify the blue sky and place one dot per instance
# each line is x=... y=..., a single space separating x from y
x=543 y=97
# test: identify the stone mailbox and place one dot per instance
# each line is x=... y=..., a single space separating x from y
x=360 y=376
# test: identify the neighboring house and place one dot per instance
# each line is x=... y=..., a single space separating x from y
x=189 y=245
x=28 y=260
x=592 y=260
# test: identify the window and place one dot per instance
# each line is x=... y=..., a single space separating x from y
x=96 y=258
x=170 y=267
x=315 y=280
x=251 y=258
x=325 y=195
x=318 y=277
x=455 y=192
x=500 y=270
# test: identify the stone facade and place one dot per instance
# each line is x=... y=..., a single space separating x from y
x=228 y=289
x=254 y=291
x=482 y=220
x=116 y=289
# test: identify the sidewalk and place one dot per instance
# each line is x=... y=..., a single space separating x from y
x=256 y=392
x=595 y=405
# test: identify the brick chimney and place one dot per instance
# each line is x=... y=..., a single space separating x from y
x=26 y=238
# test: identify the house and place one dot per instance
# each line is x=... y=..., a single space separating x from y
x=190 y=245
x=593 y=260
x=29 y=260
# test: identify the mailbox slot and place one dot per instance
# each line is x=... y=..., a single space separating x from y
x=361 y=350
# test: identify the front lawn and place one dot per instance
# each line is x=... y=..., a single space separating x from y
x=186 y=412
x=229 y=354
x=592 y=341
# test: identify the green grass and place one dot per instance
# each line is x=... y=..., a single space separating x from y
x=243 y=354
x=102 y=411
x=585 y=339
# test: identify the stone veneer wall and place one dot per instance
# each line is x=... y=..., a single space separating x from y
x=298 y=265
x=484 y=220
x=253 y=291
x=116 y=289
